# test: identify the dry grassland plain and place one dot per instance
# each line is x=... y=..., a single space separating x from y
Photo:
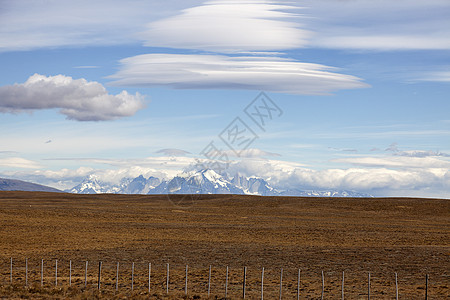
x=381 y=236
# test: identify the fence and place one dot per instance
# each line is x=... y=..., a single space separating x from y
x=228 y=282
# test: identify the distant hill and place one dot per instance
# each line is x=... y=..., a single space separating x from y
x=18 y=185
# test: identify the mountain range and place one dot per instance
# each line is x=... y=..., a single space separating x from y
x=201 y=182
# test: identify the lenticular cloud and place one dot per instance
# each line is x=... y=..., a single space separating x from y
x=77 y=99
x=206 y=71
x=230 y=26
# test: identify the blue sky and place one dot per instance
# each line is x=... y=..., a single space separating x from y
x=101 y=87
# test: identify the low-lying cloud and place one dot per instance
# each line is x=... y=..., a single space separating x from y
x=77 y=99
x=413 y=177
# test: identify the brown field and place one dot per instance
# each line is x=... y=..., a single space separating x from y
x=380 y=236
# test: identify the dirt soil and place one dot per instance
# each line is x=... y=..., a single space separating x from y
x=383 y=236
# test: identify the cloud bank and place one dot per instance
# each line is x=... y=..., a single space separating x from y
x=388 y=175
x=268 y=73
x=77 y=99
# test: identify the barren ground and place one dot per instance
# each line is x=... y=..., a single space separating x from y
x=380 y=236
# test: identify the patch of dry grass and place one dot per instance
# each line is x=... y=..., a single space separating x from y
x=383 y=236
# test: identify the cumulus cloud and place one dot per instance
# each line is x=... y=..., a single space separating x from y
x=273 y=74
x=229 y=26
x=77 y=99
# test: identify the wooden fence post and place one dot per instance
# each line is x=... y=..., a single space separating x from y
x=26 y=272
x=323 y=286
x=70 y=273
x=281 y=283
x=244 y=282
x=11 y=271
x=56 y=272
x=368 y=287
x=209 y=281
x=42 y=272
x=262 y=284
x=99 y=274
x=85 y=274
x=117 y=277
x=149 y=276
x=343 y=281
x=167 y=279
x=396 y=286
x=132 y=276
x=226 y=284
x=426 y=287
x=298 y=285
x=186 y=281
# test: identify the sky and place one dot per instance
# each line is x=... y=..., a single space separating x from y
x=315 y=94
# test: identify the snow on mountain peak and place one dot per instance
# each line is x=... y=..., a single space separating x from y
x=205 y=181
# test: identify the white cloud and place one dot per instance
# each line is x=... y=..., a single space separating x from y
x=26 y=25
x=274 y=74
x=248 y=153
x=77 y=99
x=173 y=152
x=230 y=26
x=384 y=42
x=227 y=25
x=427 y=179
x=380 y=180
x=397 y=162
x=438 y=76
x=421 y=153
x=382 y=25
x=18 y=162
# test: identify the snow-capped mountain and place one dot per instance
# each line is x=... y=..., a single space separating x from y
x=90 y=185
x=198 y=182
x=140 y=185
x=93 y=185
x=201 y=182
x=254 y=186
